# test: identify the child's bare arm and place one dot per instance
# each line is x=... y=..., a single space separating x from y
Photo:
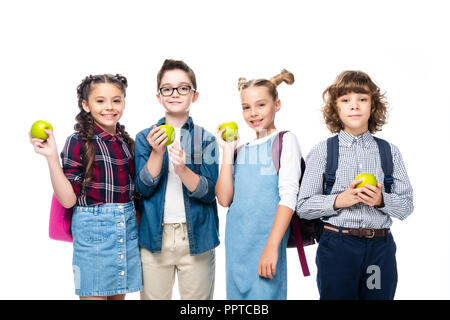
x=61 y=185
x=268 y=260
x=224 y=185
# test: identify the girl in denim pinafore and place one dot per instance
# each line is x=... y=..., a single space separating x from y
x=249 y=222
x=97 y=179
x=260 y=201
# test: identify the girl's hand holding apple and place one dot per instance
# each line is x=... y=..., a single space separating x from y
x=47 y=147
x=228 y=147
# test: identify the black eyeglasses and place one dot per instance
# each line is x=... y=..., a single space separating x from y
x=182 y=90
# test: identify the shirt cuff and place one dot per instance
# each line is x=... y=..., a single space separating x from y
x=76 y=186
x=387 y=201
x=147 y=178
x=329 y=205
x=289 y=201
x=201 y=190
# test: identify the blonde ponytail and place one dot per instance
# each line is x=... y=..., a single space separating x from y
x=271 y=85
x=283 y=76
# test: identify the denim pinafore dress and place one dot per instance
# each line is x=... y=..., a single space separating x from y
x=248 y=224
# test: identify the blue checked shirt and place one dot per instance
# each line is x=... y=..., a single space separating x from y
x=356 y=155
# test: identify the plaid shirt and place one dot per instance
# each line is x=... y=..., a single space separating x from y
x=356 y=155
x=113 y=169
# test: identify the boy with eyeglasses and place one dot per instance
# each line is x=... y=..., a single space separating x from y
x=179 y=224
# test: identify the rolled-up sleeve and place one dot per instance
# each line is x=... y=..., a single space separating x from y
x=145 y=183
x=72 y=162
x=209 y=171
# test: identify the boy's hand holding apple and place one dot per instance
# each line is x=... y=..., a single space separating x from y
x=368 y=194
x=157 y=139
x=372 y=196
x=349 y=197
x=370 y=190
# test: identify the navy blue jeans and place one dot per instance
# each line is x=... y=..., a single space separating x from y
x=352 y=268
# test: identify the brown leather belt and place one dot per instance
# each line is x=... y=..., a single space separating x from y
x=361 y=232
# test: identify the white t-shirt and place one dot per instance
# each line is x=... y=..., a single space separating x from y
x=290 y=168
x=174 y=211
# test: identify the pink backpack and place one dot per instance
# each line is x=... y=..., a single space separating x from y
x=60 y=222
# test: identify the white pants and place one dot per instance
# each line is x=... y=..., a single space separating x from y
x=195 y=273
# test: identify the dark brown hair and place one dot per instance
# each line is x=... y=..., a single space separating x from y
x=85 y=121
x=271 y=84
x=357 y=82
x=170 y=64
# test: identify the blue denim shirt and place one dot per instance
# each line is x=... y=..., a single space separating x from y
x=201 y=208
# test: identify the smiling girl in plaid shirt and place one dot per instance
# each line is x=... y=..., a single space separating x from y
x=356 y=253
x=97 y=177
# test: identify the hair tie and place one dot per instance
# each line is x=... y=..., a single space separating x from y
x=241 y=82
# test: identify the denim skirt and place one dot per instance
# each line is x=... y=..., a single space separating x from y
x=106 y=259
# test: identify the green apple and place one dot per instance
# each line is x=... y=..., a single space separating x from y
x=170 y=131
x=367 y=179
x=231 y=131
x=37 y=129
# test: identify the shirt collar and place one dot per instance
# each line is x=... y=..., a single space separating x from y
x=105 y=135
x=189 y=124
x=347 y=139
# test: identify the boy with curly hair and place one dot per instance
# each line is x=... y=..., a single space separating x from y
x=356 y=253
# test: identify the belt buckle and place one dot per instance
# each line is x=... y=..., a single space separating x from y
x=372 y=235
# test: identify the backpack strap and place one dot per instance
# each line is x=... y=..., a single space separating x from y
x=236 y=151
x=198 y=150
x=329 y=176
x=277 y=146
x=386 y=163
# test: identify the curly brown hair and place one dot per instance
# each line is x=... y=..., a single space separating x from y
x=358 y=82
x=85 y=121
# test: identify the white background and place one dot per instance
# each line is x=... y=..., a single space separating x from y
x=48 y=47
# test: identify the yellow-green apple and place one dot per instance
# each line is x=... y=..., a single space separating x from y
x=231 y=131
x=37 y=129
x=367 y=179
x=170 y=131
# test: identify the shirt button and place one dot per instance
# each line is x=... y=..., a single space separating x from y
x=120 y=240
x=122 y=273
x=121 y=224
x=122 y=256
